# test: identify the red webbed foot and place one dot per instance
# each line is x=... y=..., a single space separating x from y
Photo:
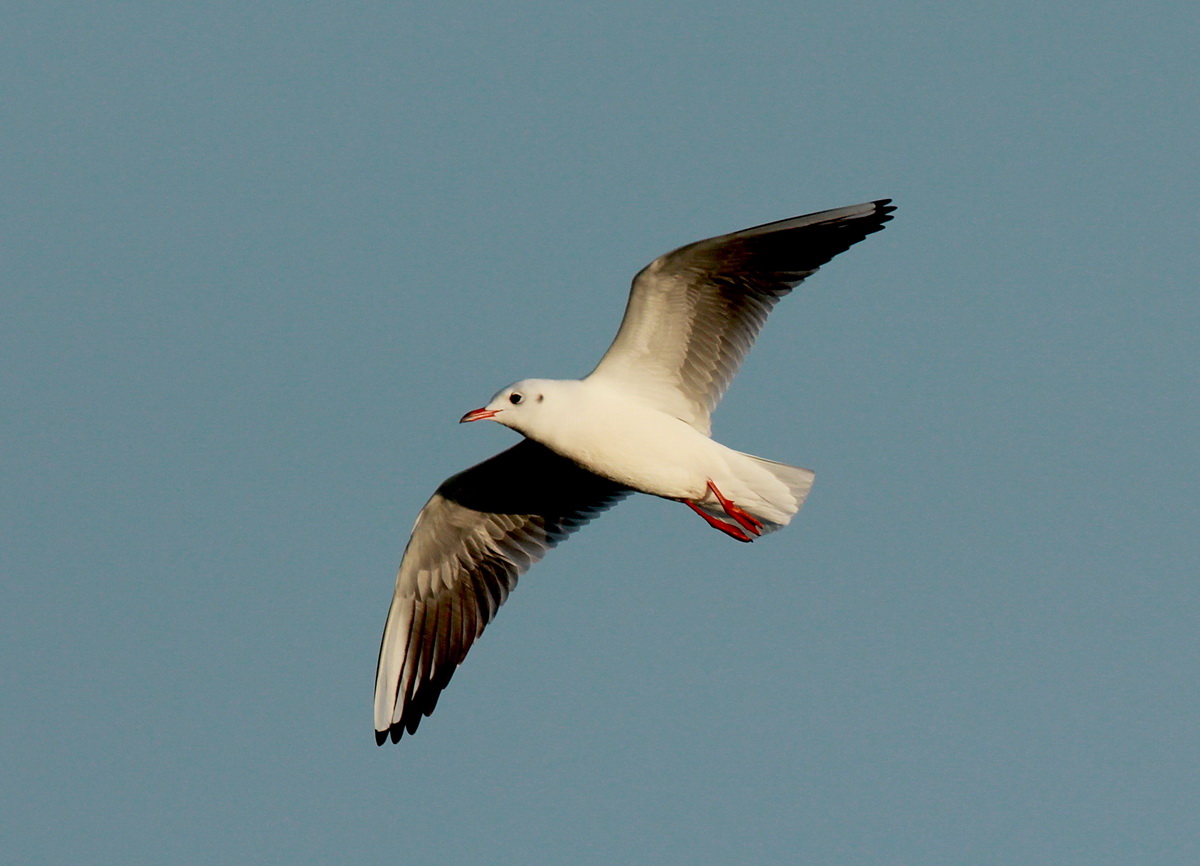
x=748 y=521
x=730 y=529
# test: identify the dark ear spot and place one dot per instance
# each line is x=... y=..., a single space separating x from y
x=541 y=397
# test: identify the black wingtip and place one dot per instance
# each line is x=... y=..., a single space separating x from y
x=884 y=207
x=394 y=733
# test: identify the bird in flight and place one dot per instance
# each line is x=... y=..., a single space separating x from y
x=639 y=422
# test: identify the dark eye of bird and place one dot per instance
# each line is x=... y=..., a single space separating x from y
x=514 y=398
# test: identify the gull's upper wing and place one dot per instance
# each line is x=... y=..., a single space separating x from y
x=694 y=313
x=477 y=534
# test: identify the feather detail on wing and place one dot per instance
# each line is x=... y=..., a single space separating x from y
x=478 y=533
x=693 y=313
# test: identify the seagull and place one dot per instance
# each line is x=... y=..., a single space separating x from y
x=639 y=422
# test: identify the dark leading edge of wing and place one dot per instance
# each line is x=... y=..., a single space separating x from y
x=478 y=533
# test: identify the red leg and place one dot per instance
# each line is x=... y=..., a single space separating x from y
x=751 y=523
x=728 y=528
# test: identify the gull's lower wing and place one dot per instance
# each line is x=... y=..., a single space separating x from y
x=693 y=313
x=478 y=533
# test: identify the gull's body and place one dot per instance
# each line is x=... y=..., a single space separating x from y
x=621 y=438
x=640 y=422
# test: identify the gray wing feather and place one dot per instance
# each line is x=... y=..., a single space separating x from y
x=694 y=313
x=477 y=534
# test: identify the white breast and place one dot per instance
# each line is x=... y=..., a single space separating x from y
x=623 y=439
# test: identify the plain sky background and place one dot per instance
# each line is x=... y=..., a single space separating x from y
x=257 y=259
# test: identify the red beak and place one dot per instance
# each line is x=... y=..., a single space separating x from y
x=478 y=415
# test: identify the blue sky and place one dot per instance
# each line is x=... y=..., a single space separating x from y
x=259 y=259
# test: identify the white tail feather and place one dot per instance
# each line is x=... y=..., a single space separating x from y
x=772 y=492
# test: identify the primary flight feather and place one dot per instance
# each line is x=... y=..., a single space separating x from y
x=639 y=422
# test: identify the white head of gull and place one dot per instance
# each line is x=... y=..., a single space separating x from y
x=639 y=422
